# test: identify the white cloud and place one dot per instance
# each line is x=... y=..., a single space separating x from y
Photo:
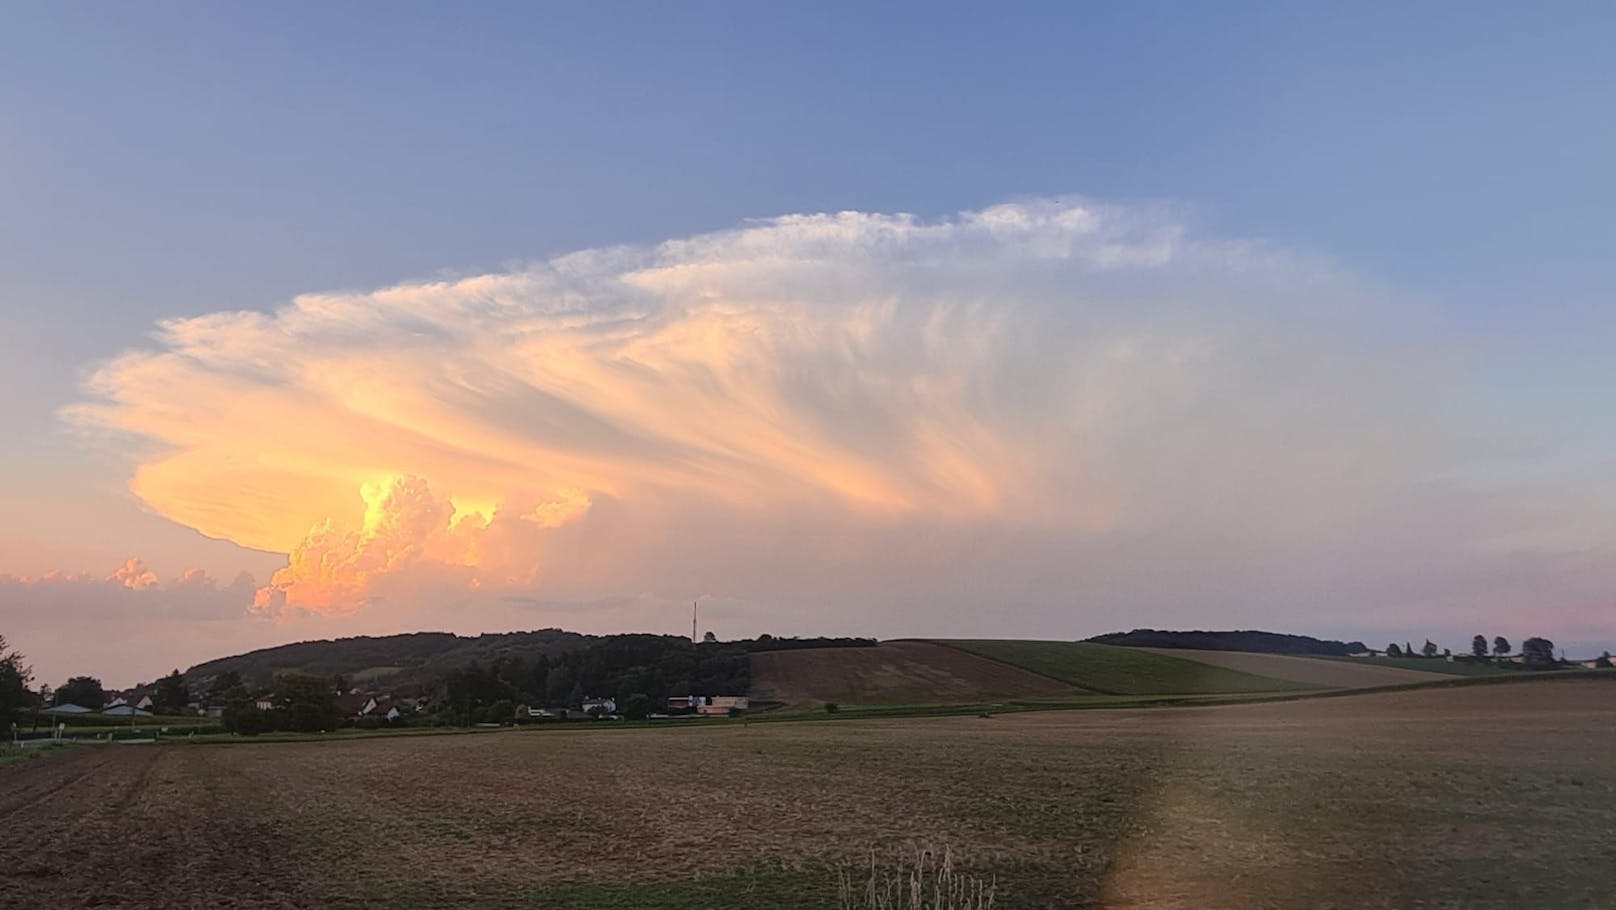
x=1061 y=413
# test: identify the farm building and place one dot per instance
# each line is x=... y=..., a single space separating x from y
x=709 y=704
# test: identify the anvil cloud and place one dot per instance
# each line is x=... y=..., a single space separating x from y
x=1058 y=408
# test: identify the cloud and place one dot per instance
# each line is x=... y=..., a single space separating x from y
x=122 y=624
x=1069 y=411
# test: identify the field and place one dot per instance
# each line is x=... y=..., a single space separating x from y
x=1313 y=671
x=1491 y=796
x=1124 y=671
x=894 y=672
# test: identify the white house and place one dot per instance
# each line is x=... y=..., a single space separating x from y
x=599 y=706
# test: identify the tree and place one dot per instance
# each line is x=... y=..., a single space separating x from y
x=502 y=712
x=84 y=691
x=171 y=694
x=1430 y=649
x=15 y=697
x=1408 y=650
x=1603 y=661
x=1478 y=646
x=1500 y=646
x=709 y=638
x=1392 y=650
x=637 y=706
x=309 y=703
x=1538 y=652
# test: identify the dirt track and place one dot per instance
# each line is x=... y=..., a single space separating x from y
x=1497 y=796
x=909 y=672
x=1311 y=670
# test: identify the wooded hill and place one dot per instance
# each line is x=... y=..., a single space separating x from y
x=416 y=662
x=1244 y=640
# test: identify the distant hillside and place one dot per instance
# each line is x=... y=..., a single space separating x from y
x=411 y=663
x=894 y=672
x=399 y=662
x=1123 y=671
x=1248 y=640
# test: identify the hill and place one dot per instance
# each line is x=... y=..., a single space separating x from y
x=537 y=667
x=1248 y=640
x=894 y=672
x=1331 y=673
x=400 y=661
x=1123 y=671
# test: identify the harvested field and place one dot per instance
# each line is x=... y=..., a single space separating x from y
x=1124 y=671
x=894 y=672
x=1330 y=674
x=1486 y=797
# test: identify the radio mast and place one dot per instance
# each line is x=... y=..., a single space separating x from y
x=693 y=622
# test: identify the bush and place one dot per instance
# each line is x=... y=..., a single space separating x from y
x=832 y=707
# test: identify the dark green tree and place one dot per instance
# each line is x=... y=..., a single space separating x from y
x=1429 y=649
x=1538 y=652
x=1478 y=646
x=241 y=714
x=171 y=694
x=1392 y=650
x=637 y=706
x=502 y=712
x=1603 y=661
x=84 y=691
x=308 y=702
x=1500 y=646
x=15 y=697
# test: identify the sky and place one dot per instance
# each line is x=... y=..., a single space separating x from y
x=909 y=319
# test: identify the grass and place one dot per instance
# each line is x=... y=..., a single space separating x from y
x=10 y=753
x=1427 y=664
x=1113 y=670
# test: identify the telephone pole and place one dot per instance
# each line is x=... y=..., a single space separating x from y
x=693 y=622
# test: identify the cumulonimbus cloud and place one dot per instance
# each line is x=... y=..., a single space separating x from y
x=1085 y=372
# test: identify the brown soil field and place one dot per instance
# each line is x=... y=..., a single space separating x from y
x=1497 y=796
x=1331 y=673
x=894 y=672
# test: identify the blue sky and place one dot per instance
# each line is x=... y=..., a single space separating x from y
x=173 y=160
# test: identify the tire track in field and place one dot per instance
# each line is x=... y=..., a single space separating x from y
x=47 y=768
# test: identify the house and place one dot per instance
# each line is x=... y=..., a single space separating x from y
x=720 y=705
x=354 y=704
x=381 y=707
x=724 y=704
x=599 y=706
x=140 y=701
x=265 y=703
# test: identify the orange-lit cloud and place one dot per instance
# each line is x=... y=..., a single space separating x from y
x=1094 y=395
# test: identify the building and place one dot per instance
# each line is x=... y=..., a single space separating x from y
x=599 y=706
x=720 y=705
x=140 y=701
x=725 y=704
x=126 y=710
